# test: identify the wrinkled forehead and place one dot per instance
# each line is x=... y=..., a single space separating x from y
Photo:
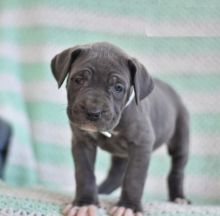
x=103 y=65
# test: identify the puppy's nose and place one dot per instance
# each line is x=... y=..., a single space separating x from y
x=93 y=115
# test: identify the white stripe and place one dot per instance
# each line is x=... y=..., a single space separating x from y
x=205 y=144
x=117 y=24
x=183 y=28
x=22 y=154
x=72 y=18
x=201 y=102
x=29 y=53
x=57 y=174
x=195 y=185
x=39 y=193
x=51 y=133
x=10 y=82
x=197 y=63
x=169 y=208
x=204 y=186
x=35 y=91
x=14 y=116
x=200 y=144
x=162 y=63
x=32 y=90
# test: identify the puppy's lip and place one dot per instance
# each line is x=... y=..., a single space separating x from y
x=89 y=128
x=86 y=126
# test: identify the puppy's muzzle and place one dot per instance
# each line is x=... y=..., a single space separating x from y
x=93 y=114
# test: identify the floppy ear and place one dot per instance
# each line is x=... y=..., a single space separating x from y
x=61 y=63
x=141 y=80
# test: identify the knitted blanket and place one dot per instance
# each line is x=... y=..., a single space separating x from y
x=41 y=202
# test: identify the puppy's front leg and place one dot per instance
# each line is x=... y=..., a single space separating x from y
x=86 y=198
x=133 y=184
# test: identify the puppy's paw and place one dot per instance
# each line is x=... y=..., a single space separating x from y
x=87 y=210
x=181 y=201
x=122 y=211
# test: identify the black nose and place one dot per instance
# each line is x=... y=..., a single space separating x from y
x=93 y=115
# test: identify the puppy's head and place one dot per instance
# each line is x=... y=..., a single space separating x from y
x=99 y=83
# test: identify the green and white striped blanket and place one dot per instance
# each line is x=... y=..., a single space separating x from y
x=177 y=40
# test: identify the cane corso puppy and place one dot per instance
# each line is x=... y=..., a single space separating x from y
x=115 y=104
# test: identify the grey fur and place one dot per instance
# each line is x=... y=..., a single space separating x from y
x=95 y=104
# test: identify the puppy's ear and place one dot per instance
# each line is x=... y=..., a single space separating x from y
x=141 y=80
x=61 y=63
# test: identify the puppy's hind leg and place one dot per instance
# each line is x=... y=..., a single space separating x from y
x=115 y=175
x=178 y=148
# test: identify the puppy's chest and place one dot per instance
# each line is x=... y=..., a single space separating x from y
x=117 y=144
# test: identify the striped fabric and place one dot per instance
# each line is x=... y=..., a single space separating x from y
x=177 y=40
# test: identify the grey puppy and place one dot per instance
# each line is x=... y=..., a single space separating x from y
x=101 y=80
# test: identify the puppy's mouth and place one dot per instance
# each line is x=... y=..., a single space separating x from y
x=89 y=127
x=92 y=127
x=79 y=121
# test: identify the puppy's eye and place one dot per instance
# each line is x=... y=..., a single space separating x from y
x=118 y=88
x=79 y=80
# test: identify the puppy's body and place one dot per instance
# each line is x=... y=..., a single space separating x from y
x=159 y=111
x=151 y=119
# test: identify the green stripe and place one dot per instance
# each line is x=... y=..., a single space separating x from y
x=140 y=43
x=26 y=71
x=203 y=165
x=198 y=165
x=41 y=111
x=20 y=175
x=189 y=3
x=103 y=161
x=22 y=135
x=12 y=100
x=208 y=123
x=47 y=112
x=204 y=82
x=148 y=10
x=54 y=154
